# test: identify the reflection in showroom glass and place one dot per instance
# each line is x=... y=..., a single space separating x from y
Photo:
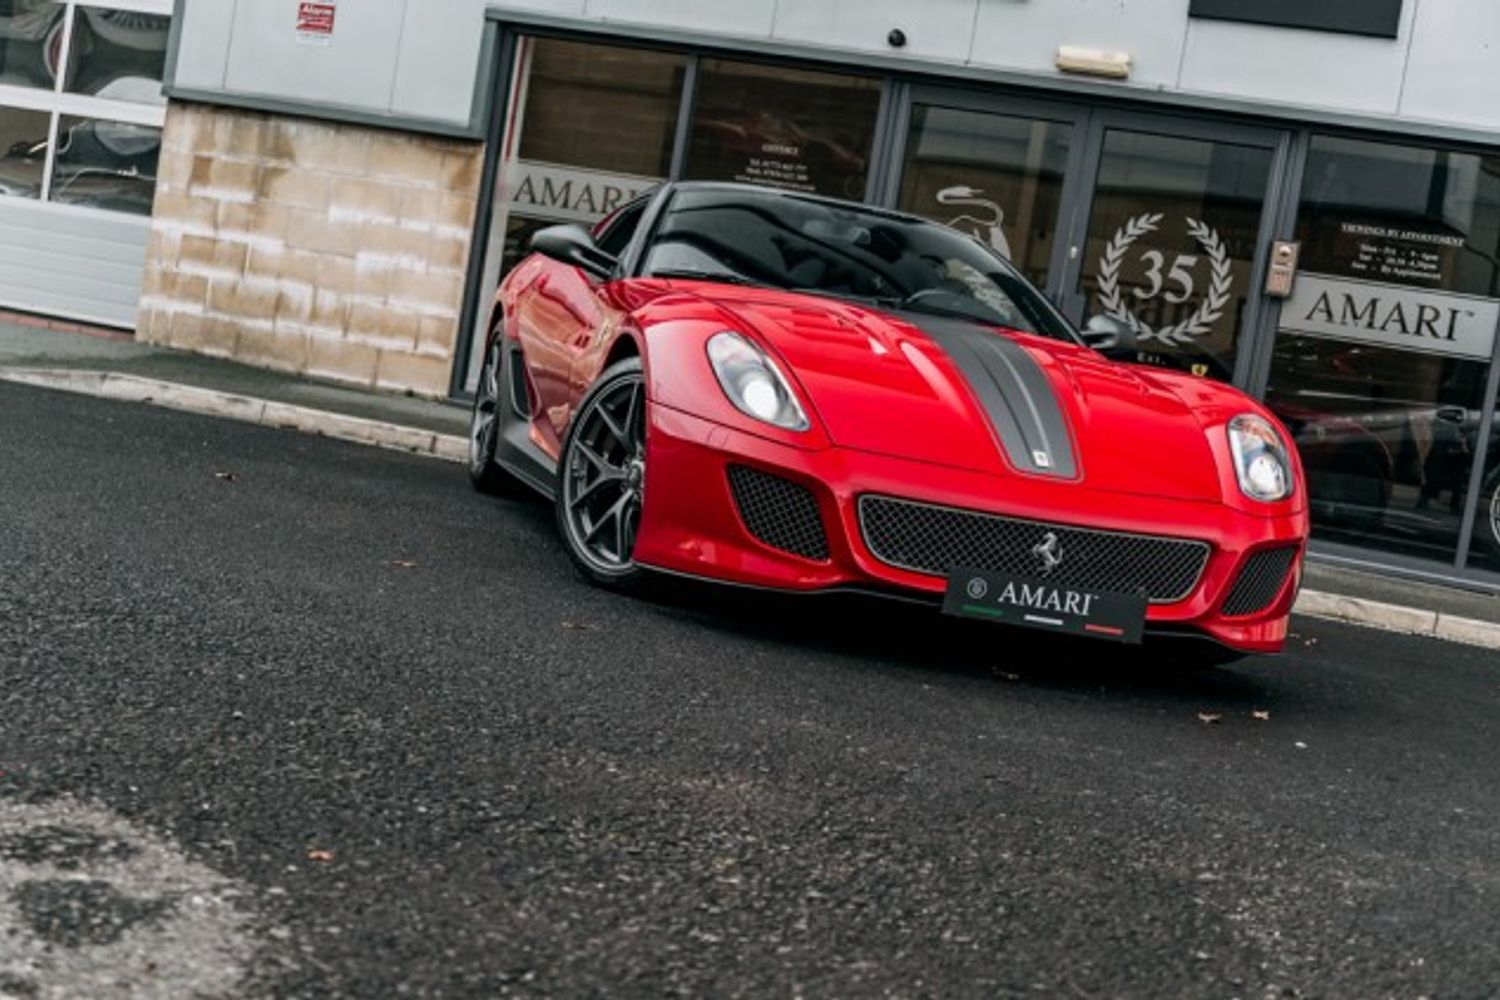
x=781 y=127
x=23 y=152
x=1484 y=552
x=1171 y=244
x=109 y=165
x=1383 y=358
x=118 y=54
x=996 y=177
x=1387 y=440
x=30 y=40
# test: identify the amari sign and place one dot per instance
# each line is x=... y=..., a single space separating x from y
x=1380 y=18
x=569 y=194
x=1392 y=316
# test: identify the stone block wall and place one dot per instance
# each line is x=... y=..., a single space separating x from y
x=331 y=250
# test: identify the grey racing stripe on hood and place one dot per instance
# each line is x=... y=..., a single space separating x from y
x=1016 y=394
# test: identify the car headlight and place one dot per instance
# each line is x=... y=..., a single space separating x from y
x=753 y=383
x=1260 y=458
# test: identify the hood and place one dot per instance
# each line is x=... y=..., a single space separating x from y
x=976 y=397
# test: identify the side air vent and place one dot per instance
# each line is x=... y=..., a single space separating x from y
x=779 y=512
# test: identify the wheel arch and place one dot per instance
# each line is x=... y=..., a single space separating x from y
x=625 y=346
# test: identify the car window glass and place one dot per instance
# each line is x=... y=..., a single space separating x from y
x=842 y=250
x=617 y=232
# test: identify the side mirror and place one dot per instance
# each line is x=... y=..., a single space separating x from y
x=573 y=245
x=1109 y=336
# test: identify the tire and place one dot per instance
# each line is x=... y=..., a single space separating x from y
x=601 y=478
x=1488 y=526
x=492 y=407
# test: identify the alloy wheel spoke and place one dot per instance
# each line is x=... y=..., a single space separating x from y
x=599 y=462
x=613 y=514
x=615 y=430
x=602 y=479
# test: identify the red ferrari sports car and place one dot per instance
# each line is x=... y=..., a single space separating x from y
x=772 y=389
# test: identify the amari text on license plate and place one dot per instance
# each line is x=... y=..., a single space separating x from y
x=1036 y=603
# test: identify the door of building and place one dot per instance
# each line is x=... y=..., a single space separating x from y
x=1162 y=223
x=1171 y=236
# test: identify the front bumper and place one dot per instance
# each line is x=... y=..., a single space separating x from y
x=691 y=525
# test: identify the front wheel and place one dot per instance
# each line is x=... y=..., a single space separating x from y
x=601 y=486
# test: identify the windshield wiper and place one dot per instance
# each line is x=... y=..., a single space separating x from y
x=689 y=274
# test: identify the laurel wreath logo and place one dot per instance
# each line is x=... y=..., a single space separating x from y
x=1209 y=311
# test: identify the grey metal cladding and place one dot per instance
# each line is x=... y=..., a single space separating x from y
x=1379 y=18
x=1015 y=393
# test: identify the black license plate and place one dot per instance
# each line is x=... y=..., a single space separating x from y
x=1035 y=603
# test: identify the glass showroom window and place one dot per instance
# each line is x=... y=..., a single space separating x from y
x=588 y=127
x=805 y=130
x=1382 y=362
x=81 y=106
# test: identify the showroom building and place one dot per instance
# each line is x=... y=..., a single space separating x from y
x=1301 y=198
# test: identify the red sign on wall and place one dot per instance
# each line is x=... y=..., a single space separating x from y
x=315 y=21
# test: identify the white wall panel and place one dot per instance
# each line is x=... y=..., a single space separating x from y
x=203 y=58
x=725 y=17
x=1026 y=34
x=1454 y=70
x=935 y=29
x=79 y=263
x=356 y=68
x=1288 y=66
x=418 y=59
x=562 y=8
x=439 y=53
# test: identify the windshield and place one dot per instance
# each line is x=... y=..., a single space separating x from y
x=787 y=241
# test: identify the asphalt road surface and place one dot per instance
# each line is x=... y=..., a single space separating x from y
x=285 y=716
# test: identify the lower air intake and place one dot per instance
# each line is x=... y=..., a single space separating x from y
x=1259 y=582
x=779 y=512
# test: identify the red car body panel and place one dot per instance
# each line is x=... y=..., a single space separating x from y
x=891 y=415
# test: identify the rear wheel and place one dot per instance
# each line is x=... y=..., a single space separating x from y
x=491 y=408
x=601 y=478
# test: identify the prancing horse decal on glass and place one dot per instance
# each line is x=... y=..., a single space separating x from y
x=986 y=223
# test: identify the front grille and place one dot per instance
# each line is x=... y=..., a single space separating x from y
x=929 y=539
x=1259 y=581
x=779 y=512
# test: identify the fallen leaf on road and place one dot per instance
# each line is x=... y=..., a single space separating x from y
x=1261 y=716
x=321 y=856
x=580 y=627
x=403 y=564
x=227 y=477
x=1300 y=745
x=1209 y=718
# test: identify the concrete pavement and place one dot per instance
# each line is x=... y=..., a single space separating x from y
x=340 y=727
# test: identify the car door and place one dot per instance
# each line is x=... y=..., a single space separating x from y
x=547 y=317
x=561 y=313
